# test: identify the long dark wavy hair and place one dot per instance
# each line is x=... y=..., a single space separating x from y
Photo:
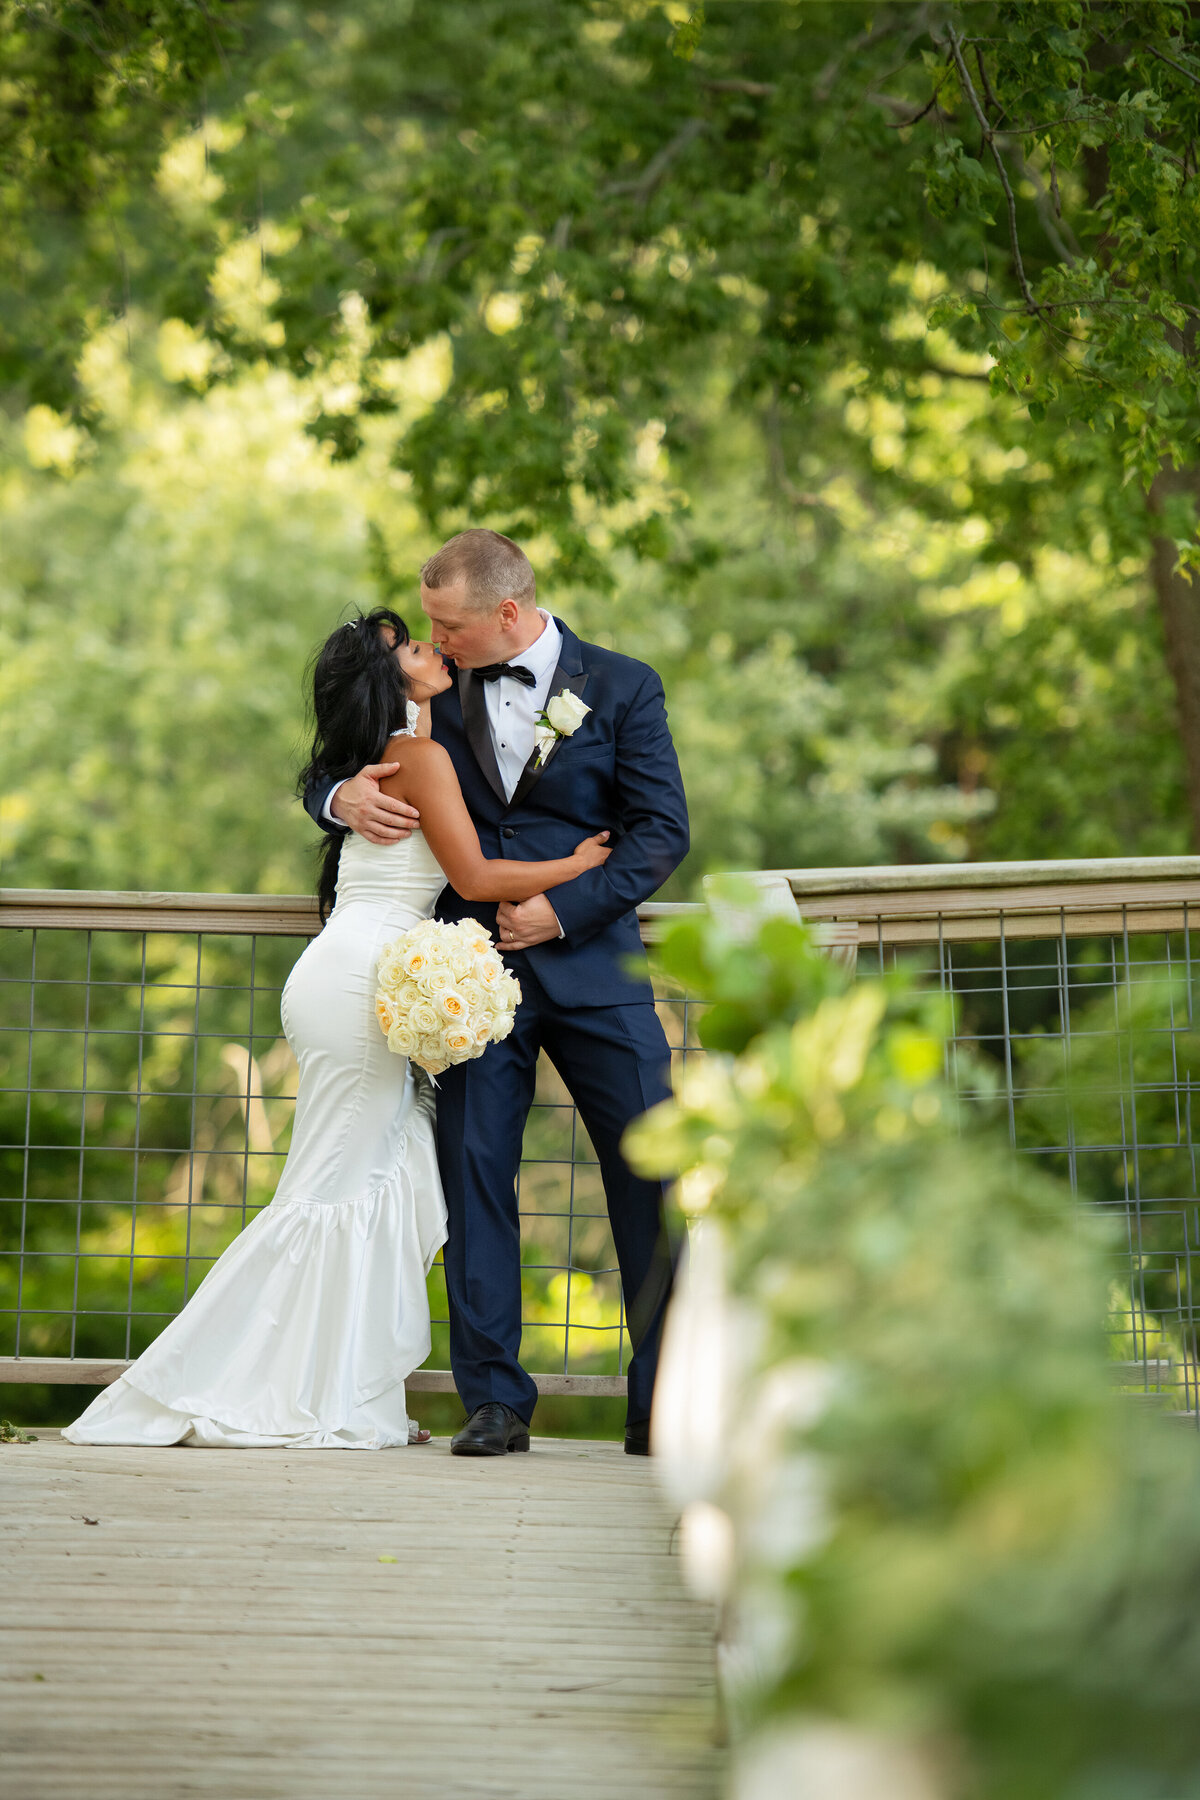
x=358 y=700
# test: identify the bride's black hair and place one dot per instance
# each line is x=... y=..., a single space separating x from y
x=359 y=693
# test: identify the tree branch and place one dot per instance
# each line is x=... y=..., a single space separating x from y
x=757 y=90
x=431 y=256
x=1054 y=184
x=218 y=46
x=1096 y=300
x=1045 y=206
x=989 y=138
x=948 y=374
x=866 y=40
x=644 y=185
x=987 y=86
x=894 y=105
x=1172 y=64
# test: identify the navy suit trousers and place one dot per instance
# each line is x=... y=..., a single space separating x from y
x=614 y=1061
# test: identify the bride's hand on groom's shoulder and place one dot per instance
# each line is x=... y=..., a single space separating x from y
x=375 y=816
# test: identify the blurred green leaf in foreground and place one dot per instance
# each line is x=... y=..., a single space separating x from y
x=951 y=1562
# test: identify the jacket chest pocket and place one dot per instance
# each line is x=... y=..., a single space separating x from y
x=570 y=756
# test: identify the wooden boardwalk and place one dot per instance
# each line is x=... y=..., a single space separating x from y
x=270 y=1625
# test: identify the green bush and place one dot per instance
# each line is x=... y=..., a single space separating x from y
x=956 y=1563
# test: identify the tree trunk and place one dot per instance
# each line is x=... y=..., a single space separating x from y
x=1179 y=603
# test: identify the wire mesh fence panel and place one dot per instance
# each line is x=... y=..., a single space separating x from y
x=574 y=1312
x=146 y=1102
x=1087 y=1048
x=145 y=1109
x=146 y=1099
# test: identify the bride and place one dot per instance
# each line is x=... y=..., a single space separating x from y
x=302 y=1333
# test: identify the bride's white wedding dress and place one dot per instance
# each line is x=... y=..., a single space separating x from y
x=302 y=1334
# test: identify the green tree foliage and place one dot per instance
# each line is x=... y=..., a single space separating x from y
x=955 y=1552
x=93 y=91
x=591 y=214
x=853 y=686
x=156 y=613
x=730 y=316
x=159 y=600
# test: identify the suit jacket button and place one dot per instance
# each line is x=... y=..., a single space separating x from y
x=508 y=832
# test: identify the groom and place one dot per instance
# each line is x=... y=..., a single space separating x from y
x=611 y=767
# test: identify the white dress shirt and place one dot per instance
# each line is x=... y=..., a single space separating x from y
x=512 y=709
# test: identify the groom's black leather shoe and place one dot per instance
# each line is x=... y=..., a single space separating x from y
x=637 y=1438
x=491 y=1430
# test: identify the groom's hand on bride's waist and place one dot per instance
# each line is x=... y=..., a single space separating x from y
x=531 y=922
x=359 y=804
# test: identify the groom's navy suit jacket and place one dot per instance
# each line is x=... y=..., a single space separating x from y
x=618 y=772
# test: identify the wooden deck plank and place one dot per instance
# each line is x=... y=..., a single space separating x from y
x=228 y=1628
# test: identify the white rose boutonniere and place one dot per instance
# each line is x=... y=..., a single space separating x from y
x=562 y=718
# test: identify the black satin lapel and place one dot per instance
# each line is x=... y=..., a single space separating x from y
x=531 y=775
x=474 y=712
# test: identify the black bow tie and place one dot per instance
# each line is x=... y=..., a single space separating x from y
x=514 y=671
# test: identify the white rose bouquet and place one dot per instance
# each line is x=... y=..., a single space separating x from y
x=443 y=995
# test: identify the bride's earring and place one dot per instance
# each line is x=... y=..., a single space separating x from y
x=412 y=714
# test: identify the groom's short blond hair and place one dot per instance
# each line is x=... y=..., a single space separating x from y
x=490 y=565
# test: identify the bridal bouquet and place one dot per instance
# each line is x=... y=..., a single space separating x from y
x=443 y=994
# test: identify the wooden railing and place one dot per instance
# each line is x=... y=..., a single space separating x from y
x=1158 y=893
